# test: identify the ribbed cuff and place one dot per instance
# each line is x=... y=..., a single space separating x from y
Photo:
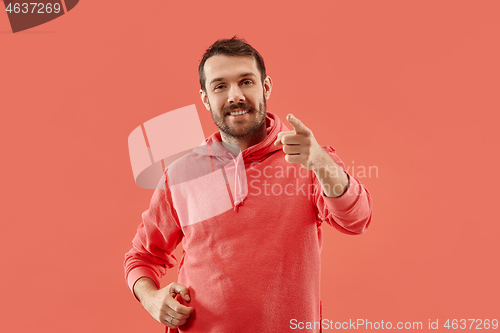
x=347 y=200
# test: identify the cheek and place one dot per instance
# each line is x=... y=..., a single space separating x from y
x=217 y=106
x=214 y=103
x=257 y=96
x=255 y=100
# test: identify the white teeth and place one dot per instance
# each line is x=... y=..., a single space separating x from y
x=237 y=113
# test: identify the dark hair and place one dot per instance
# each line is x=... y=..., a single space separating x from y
x=231 y=47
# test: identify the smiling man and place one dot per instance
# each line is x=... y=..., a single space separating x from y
x=251 y=260
x=236 y=96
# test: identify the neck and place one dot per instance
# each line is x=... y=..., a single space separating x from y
x=247 y=142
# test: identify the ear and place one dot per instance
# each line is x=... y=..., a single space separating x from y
x=268 y=86
x=204 y=99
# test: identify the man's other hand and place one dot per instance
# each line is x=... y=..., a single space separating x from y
x=161 y=303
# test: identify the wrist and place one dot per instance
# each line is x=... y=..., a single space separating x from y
x=325 y=167
x=333 y=179
x=144 y=289
x=323 y=164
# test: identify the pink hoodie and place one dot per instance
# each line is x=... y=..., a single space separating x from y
x=250 y=226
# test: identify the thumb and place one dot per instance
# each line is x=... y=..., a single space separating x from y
x=278 y=139
x=182 y=290
x=186 y=297
x=280 y=136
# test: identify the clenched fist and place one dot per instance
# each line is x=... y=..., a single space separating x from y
x=161 y=303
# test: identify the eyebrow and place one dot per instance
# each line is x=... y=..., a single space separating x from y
x=218 y=79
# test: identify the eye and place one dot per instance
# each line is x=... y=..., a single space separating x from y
x=247 y=82
x=219 y=87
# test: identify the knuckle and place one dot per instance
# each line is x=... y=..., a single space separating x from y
x=171 y=287
x=163 y=308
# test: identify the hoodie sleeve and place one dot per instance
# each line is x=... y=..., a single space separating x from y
x=351 y=212
x=156 y=238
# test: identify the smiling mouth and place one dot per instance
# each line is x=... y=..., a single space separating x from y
x=237 y=113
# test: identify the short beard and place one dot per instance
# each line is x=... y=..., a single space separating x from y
x=254 y=126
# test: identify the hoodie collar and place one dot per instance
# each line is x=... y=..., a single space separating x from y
x=258 y=152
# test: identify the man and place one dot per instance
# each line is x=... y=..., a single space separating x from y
x=251 y=260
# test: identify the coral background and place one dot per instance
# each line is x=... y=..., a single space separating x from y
x=411 y=88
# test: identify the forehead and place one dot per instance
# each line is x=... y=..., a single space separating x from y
x=227 y=67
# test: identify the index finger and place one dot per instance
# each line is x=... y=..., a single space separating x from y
x=298 y=126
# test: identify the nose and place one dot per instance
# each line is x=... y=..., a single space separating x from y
x=235 y=95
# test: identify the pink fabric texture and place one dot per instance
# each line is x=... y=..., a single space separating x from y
x=252 y=240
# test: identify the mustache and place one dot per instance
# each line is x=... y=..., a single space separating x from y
x=240 y=105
